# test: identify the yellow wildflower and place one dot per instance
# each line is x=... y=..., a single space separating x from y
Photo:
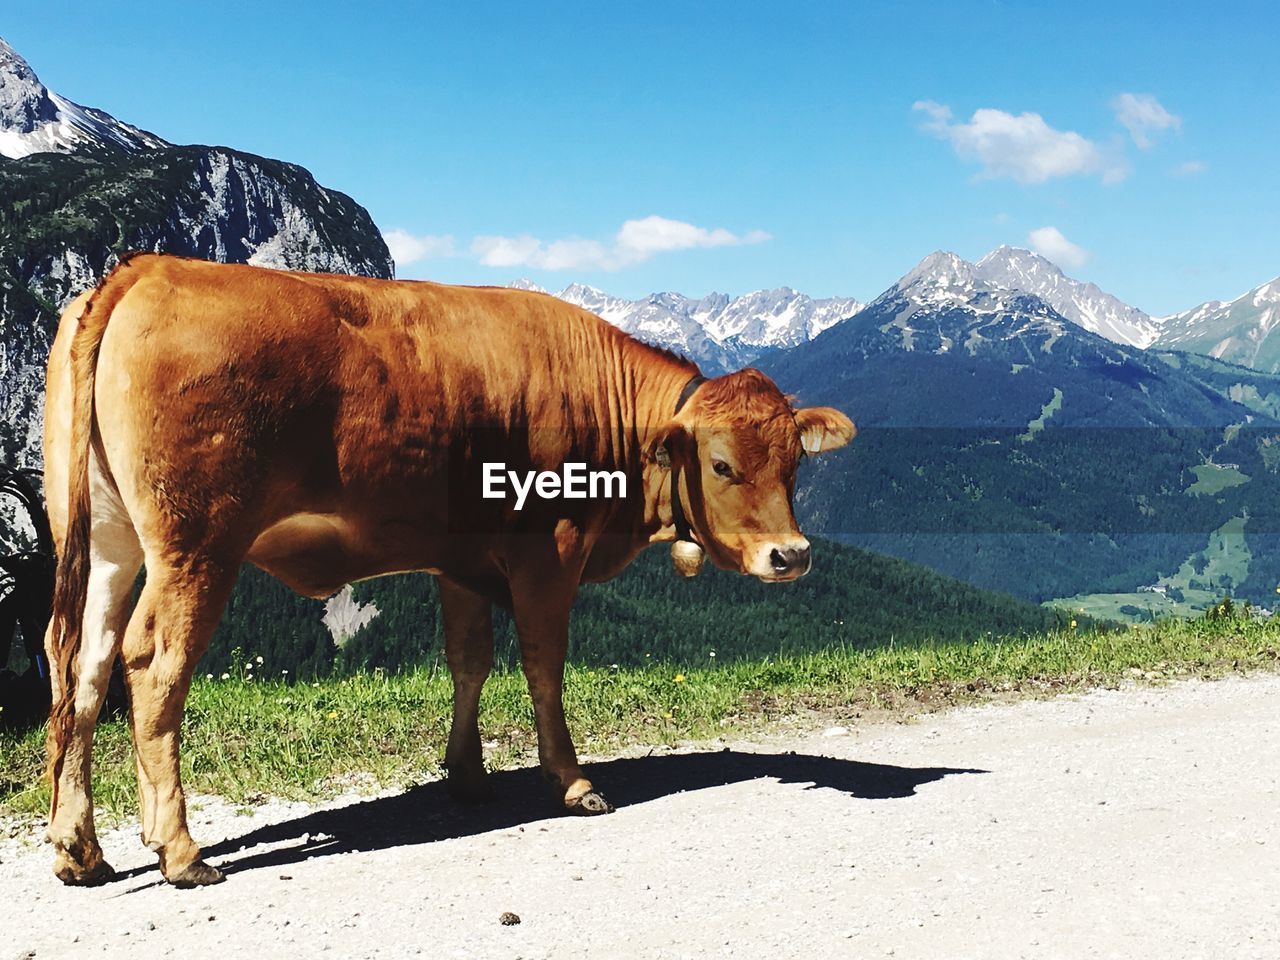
x=679 y=678
x=333 y=714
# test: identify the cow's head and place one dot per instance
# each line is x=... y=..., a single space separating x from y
x=736 y=445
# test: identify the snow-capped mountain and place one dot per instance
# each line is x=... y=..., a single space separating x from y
x=718 y=331
x=1239 y=330
x=723 y=333
x=33 y=119
x=526 y=284
x=1083 y=303
x=772 y=318
x=942 y=304
x=208 y=202
x=943 y=347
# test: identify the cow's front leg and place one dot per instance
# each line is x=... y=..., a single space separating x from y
x=468 y=644
x=541 y=612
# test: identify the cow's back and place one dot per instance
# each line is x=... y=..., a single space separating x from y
x=481 y=352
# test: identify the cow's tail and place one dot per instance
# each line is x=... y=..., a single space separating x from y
x=72 y=583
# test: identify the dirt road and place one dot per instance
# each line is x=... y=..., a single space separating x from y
x=1132 y=823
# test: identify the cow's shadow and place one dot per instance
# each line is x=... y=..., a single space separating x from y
x=427 y=813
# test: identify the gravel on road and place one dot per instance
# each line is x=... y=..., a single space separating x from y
x=1129 y=823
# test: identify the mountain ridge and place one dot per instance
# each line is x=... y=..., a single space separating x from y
x=723 y=332
x=34 y=119
x=718 y=331
x=1082 y=302
x=1238 y=331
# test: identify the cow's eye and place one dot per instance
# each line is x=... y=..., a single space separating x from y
x=722 y=469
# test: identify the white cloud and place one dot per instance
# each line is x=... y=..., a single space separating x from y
x=1190 y=169
x=1143 y=116
x=635 y=242
x=641 y=239
x=1021 y=147
x=505 y=251
x=407 y=248
x=1049 y=242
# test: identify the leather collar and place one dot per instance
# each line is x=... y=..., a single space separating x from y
x=683 y=530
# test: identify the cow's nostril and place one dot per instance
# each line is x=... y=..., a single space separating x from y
x=788 y=560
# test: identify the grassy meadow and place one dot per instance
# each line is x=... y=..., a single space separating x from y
x=250 y=736
x=1197 y=585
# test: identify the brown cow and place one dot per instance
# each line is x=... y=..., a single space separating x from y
x=329 y=429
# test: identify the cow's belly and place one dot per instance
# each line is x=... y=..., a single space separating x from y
x=317 y=553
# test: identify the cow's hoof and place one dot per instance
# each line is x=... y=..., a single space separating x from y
x=74 y=874
x=589 y=804
x=469 y=788
x=197 y=874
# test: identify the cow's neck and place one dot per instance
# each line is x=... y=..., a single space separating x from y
x=657 y=382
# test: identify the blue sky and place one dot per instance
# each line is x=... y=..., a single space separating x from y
x=731 y=146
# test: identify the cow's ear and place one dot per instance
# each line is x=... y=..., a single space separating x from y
x=663 y=447
x=823 y=428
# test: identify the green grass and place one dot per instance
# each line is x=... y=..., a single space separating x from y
x=1200 y=582
x=248 y=738
x=1212 y=479
x=1222 y=564
x=1047 y=411
x=1120 y=606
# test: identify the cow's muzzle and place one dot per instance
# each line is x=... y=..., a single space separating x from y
x=782 y=561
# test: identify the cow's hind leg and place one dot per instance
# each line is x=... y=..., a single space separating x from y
x=169 y=630
x=114 y=559
x=468 y=635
